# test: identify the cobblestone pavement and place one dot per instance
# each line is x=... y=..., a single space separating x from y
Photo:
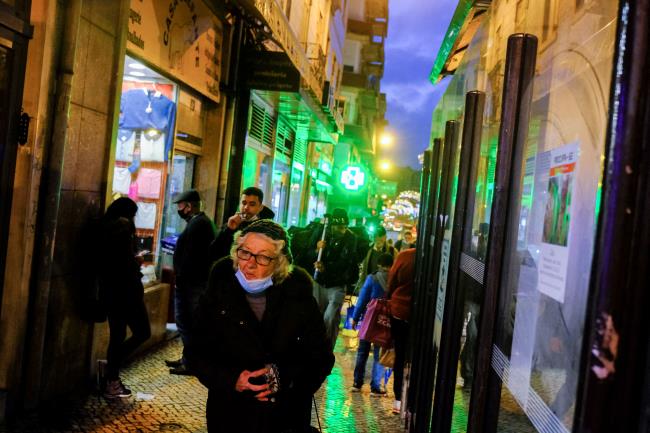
x=168 y=403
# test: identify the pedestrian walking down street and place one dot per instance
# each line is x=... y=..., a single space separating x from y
x=260 y=345
x=335 y=270
x=400 y=290
x=191 y=267
x=122 y=290
x=374 y=287
x=251 y=209
x=369 y=265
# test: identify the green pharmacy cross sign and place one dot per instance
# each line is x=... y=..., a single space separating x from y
x=353 y=177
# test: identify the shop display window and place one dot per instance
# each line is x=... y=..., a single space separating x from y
x=279 y=200
x=143 y=145
x=180 y=179
x=293 y=217
x=257 y=171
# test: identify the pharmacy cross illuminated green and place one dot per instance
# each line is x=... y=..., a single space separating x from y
x=353 y=177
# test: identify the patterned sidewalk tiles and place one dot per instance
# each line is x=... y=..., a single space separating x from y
x=166 y=403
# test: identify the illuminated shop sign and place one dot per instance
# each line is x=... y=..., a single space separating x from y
x=353 y=178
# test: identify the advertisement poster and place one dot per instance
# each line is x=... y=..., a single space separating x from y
x=183 y=38
x=554 y=251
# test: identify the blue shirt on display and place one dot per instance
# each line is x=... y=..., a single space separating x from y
x=146 y=109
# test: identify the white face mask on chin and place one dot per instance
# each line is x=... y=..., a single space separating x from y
x=254 y=286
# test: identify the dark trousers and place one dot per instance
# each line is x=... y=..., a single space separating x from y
x=186 y=299
x=400 y=332
x=363 y=351
x=133 y=314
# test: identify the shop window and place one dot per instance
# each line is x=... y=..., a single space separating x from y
x=159 y=139
x=261 y=124
x=550 y=23
x=285 y=138
x=143 y=143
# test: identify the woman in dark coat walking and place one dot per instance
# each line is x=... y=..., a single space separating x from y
x=260 y=345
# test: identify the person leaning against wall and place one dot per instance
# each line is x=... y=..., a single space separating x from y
x=120 y=282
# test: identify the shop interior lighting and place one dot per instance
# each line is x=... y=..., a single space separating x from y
x=136 y=65
x=137 y=73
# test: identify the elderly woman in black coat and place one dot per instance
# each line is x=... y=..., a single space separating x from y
x=260 y=345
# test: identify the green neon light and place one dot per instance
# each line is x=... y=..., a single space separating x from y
x=353 y=177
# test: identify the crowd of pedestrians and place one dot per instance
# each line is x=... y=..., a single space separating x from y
x=258 y=328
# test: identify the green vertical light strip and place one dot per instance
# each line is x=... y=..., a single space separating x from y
x=456 y=24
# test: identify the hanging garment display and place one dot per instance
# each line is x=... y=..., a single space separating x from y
x=121 y=180
x=145 y=218
x=152 y=146
x=149 y=181
x=125 y=145
x=147 y=109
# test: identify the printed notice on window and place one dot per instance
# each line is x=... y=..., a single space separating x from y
x=554 y=251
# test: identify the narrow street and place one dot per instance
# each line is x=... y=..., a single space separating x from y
x=163 y=403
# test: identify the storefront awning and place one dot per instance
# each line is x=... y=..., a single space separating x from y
x=274 y=78
x=462 y=28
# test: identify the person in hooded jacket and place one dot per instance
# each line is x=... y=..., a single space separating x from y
x=373 y=288
x=122 y=291
x=259 y=345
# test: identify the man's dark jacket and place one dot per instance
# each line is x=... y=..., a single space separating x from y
x=192 y=256
x=230 y=339
x=223 y=242
x=339 y=258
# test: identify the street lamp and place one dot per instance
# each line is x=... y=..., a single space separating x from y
x=386 y=140
x=385 y=165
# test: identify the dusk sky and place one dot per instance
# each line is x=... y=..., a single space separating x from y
x=415 y=31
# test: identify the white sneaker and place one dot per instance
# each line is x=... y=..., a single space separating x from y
x=397 y=406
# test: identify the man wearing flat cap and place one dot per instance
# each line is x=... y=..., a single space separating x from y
x=191 y=266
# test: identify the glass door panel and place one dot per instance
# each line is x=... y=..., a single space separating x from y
x=550 y=236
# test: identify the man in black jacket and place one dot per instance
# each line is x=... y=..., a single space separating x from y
x=191 y=266
x=336 y=269
x=250 y=209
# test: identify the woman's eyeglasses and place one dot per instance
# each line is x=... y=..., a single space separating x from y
x=260 y=259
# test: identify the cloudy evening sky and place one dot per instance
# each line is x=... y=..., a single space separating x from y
x=416 y=29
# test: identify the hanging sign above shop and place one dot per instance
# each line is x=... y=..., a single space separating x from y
x=353 y=178
x=182 y=38
x=268 y=70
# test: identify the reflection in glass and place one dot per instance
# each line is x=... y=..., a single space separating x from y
x=551 y=234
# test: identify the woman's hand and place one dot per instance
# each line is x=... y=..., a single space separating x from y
x=243 y=384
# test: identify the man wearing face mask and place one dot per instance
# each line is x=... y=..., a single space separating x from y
x=191 y=267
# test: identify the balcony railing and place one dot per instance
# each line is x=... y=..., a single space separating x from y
x=373 y=52
x=316 y=61
x=283 y=33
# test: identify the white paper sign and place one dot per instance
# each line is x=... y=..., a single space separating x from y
x=554 y=249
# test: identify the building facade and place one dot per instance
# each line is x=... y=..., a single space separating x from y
x=146 y=98
x=363 y=106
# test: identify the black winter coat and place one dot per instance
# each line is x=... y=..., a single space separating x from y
x=229 y=339
x=119 y=271
x=192 y=256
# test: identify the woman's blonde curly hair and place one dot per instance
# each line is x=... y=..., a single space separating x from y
x=282 y=265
